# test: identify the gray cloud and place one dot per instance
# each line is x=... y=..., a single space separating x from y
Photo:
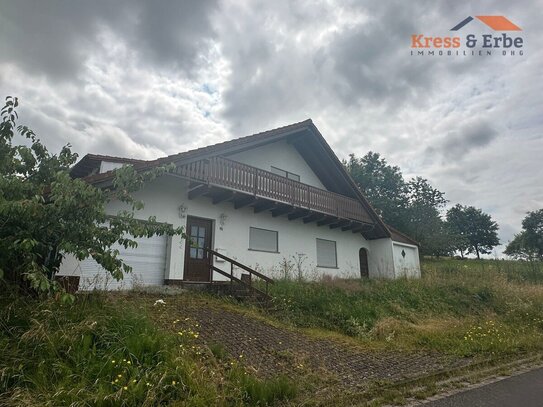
x=56 y=38
x=145 y=79
x=468 y=137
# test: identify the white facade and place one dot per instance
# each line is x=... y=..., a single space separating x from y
x=280 y=155
x=297 y=241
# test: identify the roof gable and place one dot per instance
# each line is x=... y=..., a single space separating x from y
x=304 y=136
x=279 y=156
x=90 y=164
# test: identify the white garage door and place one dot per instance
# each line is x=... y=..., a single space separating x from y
x=406 y=261
x=148 y=262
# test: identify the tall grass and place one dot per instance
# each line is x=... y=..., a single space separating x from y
x=517 y=271
x=460 y=307
x=109 y=353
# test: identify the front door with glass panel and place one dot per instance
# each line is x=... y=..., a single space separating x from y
x=196 y=259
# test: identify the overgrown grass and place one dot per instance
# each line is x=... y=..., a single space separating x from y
x=463 y=307
x=515 y=271
x=109 y=353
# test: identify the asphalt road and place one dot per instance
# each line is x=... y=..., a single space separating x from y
x=524 y=390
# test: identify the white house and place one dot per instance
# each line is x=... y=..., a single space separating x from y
x=278 y=202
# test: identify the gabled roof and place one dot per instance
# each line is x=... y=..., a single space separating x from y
x=400 y=237
x=304 y=136
x=230 y=146
x=90 y=164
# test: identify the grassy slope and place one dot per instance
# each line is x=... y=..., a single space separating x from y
x=108 y=352
x=73 y=355
x=461 y=307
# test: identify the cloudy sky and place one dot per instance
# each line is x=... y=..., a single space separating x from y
x=146 y=79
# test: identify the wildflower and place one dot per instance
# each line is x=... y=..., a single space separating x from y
x=125 y=388
x=174 y=382
x=113 y=361
x=128 y=362
x=119 y=375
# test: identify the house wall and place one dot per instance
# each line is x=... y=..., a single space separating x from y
x=383 y=260
x=163 y=197
x=408 y=266
x=281 y=155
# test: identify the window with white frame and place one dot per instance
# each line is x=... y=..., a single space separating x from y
x=326 y=253
x=286 y=174
x=263 y=240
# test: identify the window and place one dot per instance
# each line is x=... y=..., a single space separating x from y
x=326 y=253
x=197 y=242
x=263 y=240
x=286 y=174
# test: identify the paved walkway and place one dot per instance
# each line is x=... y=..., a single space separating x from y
x=524 y=390
x=270 y=350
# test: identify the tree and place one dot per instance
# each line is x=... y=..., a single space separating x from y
x=412 y=207
x=424 y=218
x=383 y=185
x=478 y=231
x=44 y=213
x=528 y=244
x=458 y=228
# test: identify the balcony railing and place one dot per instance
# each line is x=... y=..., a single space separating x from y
x=233 y=175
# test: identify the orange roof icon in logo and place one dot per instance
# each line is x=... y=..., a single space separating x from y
x=497 y=23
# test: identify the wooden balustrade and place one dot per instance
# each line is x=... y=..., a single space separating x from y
x=233 y=279
x=241 y=177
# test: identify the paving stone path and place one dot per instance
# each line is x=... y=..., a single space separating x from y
x=270 y=350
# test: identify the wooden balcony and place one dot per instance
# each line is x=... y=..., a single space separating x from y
x=273 y=192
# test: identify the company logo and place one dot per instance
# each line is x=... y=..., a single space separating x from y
x=472 y=44
x=497 y=23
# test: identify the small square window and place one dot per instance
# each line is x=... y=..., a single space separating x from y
x=295 y=177
x=286 y=174
x=279 y=171
x=263 y=240
x=326 y=253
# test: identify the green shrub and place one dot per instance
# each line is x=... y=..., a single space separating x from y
x=109 y=353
